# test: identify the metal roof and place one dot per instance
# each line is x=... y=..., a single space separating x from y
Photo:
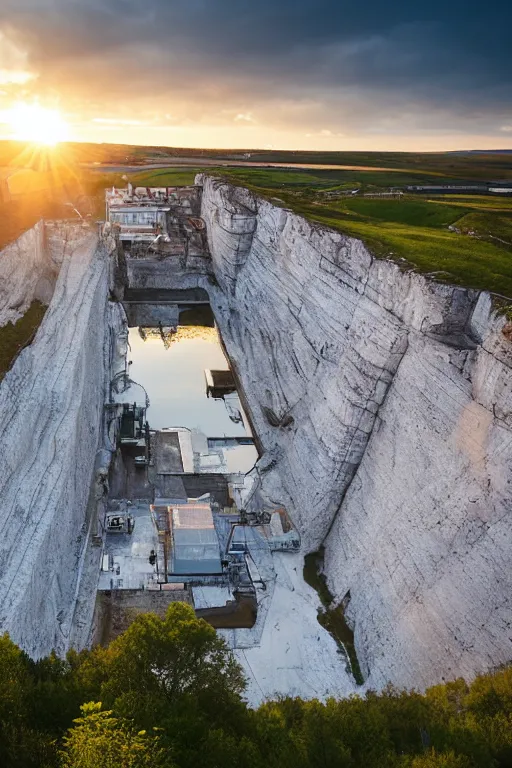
x=195 y=546
x=193 y=515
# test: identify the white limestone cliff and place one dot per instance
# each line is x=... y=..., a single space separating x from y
x=383 y=401
x=51 y=411
x=30 y=265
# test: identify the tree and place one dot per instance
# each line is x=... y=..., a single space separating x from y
x=99 y=740
x=170 y=659
x=433 y=759
x=21 y=744
x=178 y=674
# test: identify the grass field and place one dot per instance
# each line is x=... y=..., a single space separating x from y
x=477 y=202
x=467 y=166
x=412 y=230
x=415 y=212
x=318 y=180
x=166 y=177
x=475 y=261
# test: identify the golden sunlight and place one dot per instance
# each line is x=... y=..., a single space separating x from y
x=31 y=122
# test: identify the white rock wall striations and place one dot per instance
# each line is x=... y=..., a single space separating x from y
x=30 y=265
x=383 y=402
x=51 y=405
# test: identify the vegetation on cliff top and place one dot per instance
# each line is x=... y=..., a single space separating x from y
x=172 y=695
x=461 y=239
x=15 y=336
x=464 y=241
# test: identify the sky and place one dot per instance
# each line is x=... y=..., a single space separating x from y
x=281 y=74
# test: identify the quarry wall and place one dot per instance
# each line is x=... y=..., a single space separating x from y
x=383 y=401
x=30 y=265
x=51 y=411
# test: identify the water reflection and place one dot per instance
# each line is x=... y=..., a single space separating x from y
x=174 y=380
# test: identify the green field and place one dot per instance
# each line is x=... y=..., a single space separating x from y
x=477 y=202
x=414 y=230
x=166 y=177
x=327 y=180
x=476 y=261
x=415 y=212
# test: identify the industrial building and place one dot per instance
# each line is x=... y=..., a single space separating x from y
x=142 y=223
x=194 y=542
x=165 y=220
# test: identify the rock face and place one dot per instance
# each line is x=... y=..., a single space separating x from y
x=29 y=267
x=51 y=411
x=384 y=404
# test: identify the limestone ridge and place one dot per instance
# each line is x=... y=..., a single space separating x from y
x=384 y=403
x=51 y=410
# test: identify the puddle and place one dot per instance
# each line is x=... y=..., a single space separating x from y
x=175 y=383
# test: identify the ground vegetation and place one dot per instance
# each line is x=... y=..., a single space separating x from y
x=15 y=336
x=168 y=693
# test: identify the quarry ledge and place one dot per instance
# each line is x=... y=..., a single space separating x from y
x=401 y=256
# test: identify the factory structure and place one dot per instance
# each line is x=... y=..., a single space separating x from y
x=162 y=221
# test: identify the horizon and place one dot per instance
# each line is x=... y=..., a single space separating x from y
x=264 y=150
x=307 y=76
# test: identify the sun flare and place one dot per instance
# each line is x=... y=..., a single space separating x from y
x=31 y=122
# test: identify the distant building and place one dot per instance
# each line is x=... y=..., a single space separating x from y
x=137 y=223
x=446 y=188
x=396 y=194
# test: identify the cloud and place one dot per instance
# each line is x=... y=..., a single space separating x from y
x=244 y=117
x=15 y=77
x=116 y=121
x=373 y=67
x=13 y=64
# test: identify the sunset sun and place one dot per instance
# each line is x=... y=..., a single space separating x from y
x=31 y=122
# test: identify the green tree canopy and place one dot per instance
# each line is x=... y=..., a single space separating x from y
x=176 y=673
x=173 y=697
x=164 y=662
x=100 y=740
